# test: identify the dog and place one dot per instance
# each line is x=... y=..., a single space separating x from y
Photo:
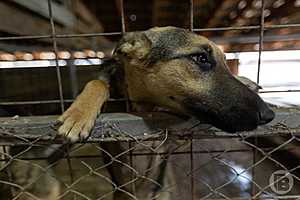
x=173 y=68
x=170 y=68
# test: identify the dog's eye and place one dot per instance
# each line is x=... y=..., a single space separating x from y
x=202 y=60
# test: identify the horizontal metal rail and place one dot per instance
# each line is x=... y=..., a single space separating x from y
x=266 y=27
x=141 y=126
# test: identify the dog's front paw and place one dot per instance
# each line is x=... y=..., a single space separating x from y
x=79 y=119
x=77 y=123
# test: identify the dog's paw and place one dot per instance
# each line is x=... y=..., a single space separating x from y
x=77 y=123
x=79 y=119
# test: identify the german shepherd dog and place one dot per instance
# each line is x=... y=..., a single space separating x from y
x=176 y=69
x=171 y=68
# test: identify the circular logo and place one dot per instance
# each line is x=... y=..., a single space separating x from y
x=281 y=182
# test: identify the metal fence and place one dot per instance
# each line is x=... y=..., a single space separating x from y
x=187 y=160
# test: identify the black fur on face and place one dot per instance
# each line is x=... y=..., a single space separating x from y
x=230 y=108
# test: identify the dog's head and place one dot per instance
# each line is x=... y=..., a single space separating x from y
x=186 y=72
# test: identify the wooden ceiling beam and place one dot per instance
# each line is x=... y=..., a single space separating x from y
x=285 y=10
x=245 y=39
x=19 y=22
x=12 y=23
x=199 y=12
x=241 y=12
x=243 y=20
x=61 y=14
x=171 y=12
x=88 y=23
x=222 y=12
x=87 y=16
x=11 y=16
x=159 y=14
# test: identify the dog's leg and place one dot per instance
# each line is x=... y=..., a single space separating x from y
x=162 y=173
x=79 y=119
x=119 y=169
x=34 y=175
x=159 y=183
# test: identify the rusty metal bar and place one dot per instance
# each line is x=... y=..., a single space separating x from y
x=233 y=28
x=191 y=140
x=8 y=169
x=159 y=153
x=192 y=168
x=29 y=37
x=131 y=163
x=261 y=38
x=192 y=15
x=274 y=91
x=254 y=160
x=58 y=72
x=123 y=24
x=70 y=166
x=229 y=28
x=12 y=103
x=122 y=16
x=60 y=87
x=261 y=43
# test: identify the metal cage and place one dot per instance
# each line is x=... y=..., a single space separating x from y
x=23 y=138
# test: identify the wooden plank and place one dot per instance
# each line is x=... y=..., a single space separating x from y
x=140 y=126
x=85 y=14
x=88 y=23
x=16 y=21
x=85 y=23
x=221 y=12
x=8 y=47
x=19 y=22
x=242 y=20
x=173 y=13
x=288 y=9
x=201 y=13
x=156 y=11
x=61 y=14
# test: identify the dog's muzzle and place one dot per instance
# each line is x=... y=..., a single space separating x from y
x=231 y=118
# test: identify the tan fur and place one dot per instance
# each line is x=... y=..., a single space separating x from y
x=155 y=83
x=150 y=85
x=79 y=119
x=152 y=81
x=177 y=83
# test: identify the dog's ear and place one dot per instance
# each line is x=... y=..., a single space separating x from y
x=134 y=45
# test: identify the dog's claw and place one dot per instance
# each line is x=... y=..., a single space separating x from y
x=76 y=124
x=79 y=119
x=56 y=124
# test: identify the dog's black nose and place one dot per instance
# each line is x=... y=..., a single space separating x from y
x=265 y=116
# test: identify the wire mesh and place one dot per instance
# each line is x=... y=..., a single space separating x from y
x=161 y=164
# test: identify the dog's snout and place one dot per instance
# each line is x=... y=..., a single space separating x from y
x=265 y=116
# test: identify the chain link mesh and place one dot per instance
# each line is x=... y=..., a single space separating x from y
x=123 y=162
